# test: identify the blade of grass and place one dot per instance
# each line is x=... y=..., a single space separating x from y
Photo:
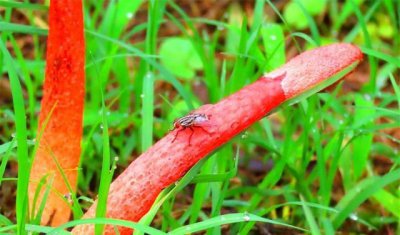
x=207 y=57
x=381 y=56
x=37 y=216
x=219 y=190
x=167 y=76
x=355 y=31
x=345 y=12
x=310 y=218
x=311 y=23
x=363 y=143
x=361 y=192
x=105 y=176
x=147 y=111
x=201 y=192
x=396 y=88
x=21 y=136
x=24 y=5
x=4 y=221
x=258 y=15
x=305 y=37
x=389 y=201
x=103 y=221
x=187 y=179
x=371 y=86
x=280 y=16
x=227 y=219
x=390 y=6
x=5 y=157
x=18 y=28
x=28 y=80
x=155 y=15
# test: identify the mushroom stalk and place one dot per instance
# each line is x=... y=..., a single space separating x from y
x=60 y=119
x=134 y=191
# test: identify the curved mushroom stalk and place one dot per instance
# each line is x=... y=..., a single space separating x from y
x=61 y=114
x=134 y=191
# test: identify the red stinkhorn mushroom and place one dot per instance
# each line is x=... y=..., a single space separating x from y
x=134 y=191
x=61 y=112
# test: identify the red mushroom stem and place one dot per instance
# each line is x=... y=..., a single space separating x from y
x=134 y=191
x=61 y=112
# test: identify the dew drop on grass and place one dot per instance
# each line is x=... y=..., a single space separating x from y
x=246 y=217
x=129 y=15
x=354 y=217
x=142 y=96
x=101 y=126
x=272 y=37
x=245 y=135
x=13 y=135
x=149 y=75
x=367 y=97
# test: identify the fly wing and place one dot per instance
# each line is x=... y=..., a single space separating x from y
x=186 y=121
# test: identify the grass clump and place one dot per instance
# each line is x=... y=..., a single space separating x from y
x=328 y=164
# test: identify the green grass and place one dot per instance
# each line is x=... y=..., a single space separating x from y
x=325 y=165
x=21 y=206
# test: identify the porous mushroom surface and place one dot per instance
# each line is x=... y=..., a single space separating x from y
x=134 y=191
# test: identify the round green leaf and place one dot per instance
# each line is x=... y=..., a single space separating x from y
x=294 y=16
x=180 y=58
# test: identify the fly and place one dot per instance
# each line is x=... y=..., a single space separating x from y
x=189 y=122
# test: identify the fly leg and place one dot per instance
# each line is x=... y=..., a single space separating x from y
x=176 y=135
x=191 y=134
x=202 y=128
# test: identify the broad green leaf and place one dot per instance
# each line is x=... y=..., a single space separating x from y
x=294 y=16
x=274 y=44
x=180 y=57
x=314 y=7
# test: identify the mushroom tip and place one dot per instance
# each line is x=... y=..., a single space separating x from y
x=316 y=69
x=345 y=49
